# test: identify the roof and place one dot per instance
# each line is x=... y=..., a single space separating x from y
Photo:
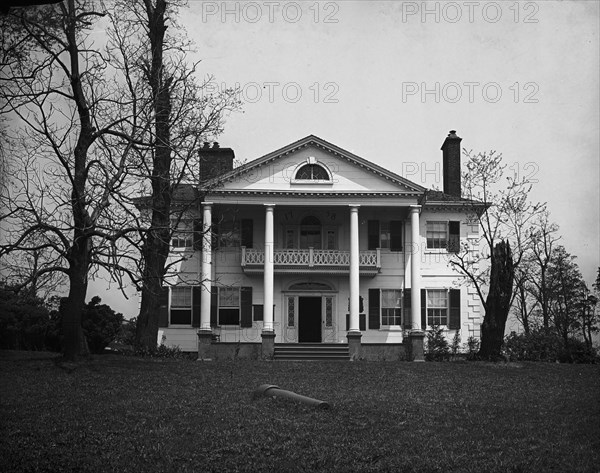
x=327 y=146
x=435 y=197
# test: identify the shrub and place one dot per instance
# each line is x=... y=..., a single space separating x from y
x=576 y=351
x=473 y=345
x=437 y=345
x=538 y=345
x=455 y=347
x=546 y=345
x=126 y=335
x=162 y=351
x=24 y=321
x=100 y=324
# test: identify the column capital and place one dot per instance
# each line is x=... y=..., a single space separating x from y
x=206 y=204
x=269 y=206
x=415 y=208
x=353 y=207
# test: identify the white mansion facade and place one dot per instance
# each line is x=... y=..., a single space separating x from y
x=313 y=244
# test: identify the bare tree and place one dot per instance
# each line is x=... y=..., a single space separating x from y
x=69 y=150
x=150 y=50
x=502 y=214
x=524 y=303
x=543 y=236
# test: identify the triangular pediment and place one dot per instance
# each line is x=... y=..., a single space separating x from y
x=345 y=173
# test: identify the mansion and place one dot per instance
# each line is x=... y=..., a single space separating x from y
x=311 y=244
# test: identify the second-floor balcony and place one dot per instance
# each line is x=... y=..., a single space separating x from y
x=311 y=260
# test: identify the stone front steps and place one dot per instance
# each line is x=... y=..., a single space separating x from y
x=311 y=352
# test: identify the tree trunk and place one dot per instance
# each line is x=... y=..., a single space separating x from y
x=497 y=302
x=155 y=254
x=157 y=244
x=544 y=294
x=74 y=343
x=524 y=312
x=79 y=252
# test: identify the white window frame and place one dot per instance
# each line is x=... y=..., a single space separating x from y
x=220 y=305
x=397 y=307
x=311 y=160
x=438 y=308
x=179 y=306
x=183 y=233
x=446 y=238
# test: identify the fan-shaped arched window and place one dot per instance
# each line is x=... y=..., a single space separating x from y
x=310 y=286
x=310 y=220
x=312 y=172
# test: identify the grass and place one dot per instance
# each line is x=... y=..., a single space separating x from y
x=117 y=413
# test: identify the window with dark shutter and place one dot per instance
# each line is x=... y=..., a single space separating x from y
x=196 y=297
x=246 y=306
x=163 y=307
x=258 y=312
x=454 y=309
x=229 y=305
x=406 y=309
x=214 y=306
x=181 y=305
x=247 y=232
x=423 y=309
x=453 y=237
x=373 y=233
x=374 y=303
x=396 y=235
x=198 y=234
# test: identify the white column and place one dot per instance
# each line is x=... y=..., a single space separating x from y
x=269 y=268
x=415 y=268
x=206 y=266
x=354 y=270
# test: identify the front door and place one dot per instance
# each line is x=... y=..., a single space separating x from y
x=309 y=320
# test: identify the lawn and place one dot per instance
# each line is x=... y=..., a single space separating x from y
x=116 y=413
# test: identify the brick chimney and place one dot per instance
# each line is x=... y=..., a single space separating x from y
x=451 y=164
x=214 y=160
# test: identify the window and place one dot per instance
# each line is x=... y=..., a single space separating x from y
x=229 y=306
x=183 y=235
x=312 y=172
x=229 y=234
x=181 y=306
x=437 y=234
x=443 y=235
x=310 y=233
x=391 y=307
x=331 y=240
x=291 y=311
x=385 y=234
x=290 y=238
x=329 y=312
x=437 y=307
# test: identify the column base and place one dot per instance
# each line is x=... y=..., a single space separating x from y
x=268 y=344
x=354 y=349
x=204 y=344
x=416 y=350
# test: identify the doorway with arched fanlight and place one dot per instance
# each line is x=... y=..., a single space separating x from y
x=310 y=316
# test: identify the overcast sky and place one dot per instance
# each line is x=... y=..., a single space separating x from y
x=388 y=80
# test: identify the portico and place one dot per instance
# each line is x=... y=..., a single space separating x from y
x=346 y=255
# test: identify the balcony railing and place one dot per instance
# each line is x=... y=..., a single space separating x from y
x=310 y=259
